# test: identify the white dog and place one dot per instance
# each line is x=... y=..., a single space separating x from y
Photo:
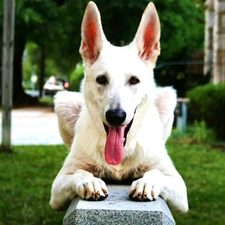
x=117 y=128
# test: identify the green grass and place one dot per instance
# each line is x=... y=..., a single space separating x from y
x=46 y=101
x=27 y=174
x=202 y=168
x=25 y=183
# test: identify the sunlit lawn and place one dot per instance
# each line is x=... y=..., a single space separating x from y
x=203 y=171
x=27 y=174
x=25 y=182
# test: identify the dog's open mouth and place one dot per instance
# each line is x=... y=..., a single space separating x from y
x=115 y=142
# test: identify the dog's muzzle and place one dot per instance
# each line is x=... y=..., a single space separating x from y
x=116 y=136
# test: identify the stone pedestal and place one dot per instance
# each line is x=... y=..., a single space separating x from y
x=118 y=209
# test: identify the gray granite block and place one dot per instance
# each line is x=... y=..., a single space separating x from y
x=118 y=209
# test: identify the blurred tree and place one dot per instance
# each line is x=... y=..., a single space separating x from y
x=35 y=22
x=31 y=59
x=54 y=25
x=182 y=24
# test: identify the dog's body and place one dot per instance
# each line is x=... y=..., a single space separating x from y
x=118 y=127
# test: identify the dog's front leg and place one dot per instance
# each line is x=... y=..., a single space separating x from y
x=148 y=187
x=89 y=187
x=82 y=183
x=154 y=183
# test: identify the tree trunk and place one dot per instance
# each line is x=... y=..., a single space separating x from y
x=20 y=98
x=17 y=78
x=42 y=70
x=7 y=72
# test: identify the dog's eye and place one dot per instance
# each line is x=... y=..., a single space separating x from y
x=134 y=80
x=101 y=80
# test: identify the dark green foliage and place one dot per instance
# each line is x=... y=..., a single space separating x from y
x=196 y=133
x=182 y=24
x=183 y=76
x=75 y=77
x=55 y=27
x=208 y=103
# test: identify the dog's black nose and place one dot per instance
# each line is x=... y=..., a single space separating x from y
x=115 y=116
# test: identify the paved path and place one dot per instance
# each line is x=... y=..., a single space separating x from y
x=33 y=126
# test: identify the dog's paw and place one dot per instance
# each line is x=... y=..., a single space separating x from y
x=92 y=189
x=147 y=188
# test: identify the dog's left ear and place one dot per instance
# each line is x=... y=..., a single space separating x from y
x=92 y=34
x=146 y=41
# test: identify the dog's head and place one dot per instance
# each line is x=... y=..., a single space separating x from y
x=118 y=79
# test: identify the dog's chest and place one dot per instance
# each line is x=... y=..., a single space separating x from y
x=118 y=173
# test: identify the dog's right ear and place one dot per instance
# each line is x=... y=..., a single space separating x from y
x=92 y=34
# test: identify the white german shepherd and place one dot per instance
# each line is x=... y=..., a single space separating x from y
x=118 y=127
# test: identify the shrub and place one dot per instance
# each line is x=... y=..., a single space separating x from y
x=197 y=133
x=75 y=77
x=200 y=133
x=207 y=103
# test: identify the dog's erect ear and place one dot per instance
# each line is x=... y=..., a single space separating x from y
x=146 y=40
x=92 y=34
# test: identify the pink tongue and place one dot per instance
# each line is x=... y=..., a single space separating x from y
x=114 y=150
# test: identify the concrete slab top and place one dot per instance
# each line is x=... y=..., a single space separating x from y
x=117 y=208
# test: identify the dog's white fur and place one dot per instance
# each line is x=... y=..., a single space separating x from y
x=81 y=118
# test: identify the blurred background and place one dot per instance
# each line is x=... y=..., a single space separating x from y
x=47 y=39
